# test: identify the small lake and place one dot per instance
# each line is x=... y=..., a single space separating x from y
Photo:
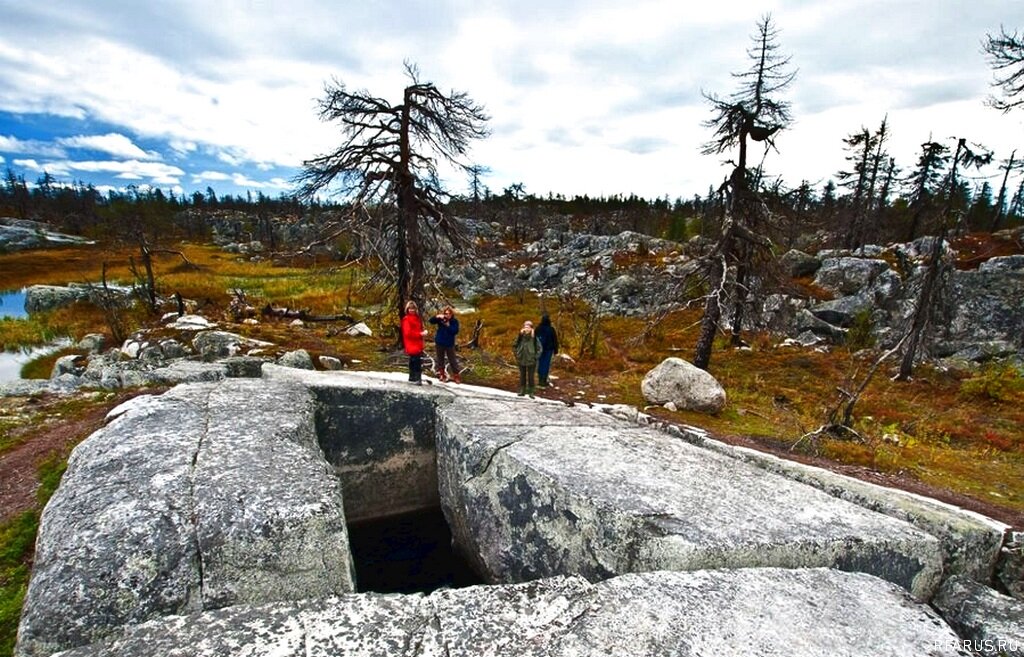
x=12 y=303
x=11 y=361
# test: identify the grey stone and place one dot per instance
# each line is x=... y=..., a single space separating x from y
x=299 y=359
x=92 y=342
x=247 y=367
x=991 y=624
x=70 y=364
x=359 y=329
x=688 y=387
x=330 y=363
x=184 y=502
x=847 y=275
x=800 y=264
x=722 y=612
x=214 y=345
x=1003 y=263
x=527 y=500
x=39 y=298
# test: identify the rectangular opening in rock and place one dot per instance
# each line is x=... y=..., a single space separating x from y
x=407 y=553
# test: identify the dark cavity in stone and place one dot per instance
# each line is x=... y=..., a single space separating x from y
x=408 y=553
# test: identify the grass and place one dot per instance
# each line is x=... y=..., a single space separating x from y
x=17 y=539
x=17 y=545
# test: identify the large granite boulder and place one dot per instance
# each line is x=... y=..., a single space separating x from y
x=849 y=275
x=683 y=384
x=721 y=612
x=183 y=503
x=547 y=491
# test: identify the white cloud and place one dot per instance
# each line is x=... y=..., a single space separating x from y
x=602 y=96
x=111 y=143
x=30 y=146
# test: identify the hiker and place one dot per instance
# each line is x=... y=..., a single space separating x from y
x=548 y=339
x=444 y=340
x=526 y=348
x=412 y=341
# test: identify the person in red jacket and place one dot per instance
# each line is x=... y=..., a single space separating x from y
x=412 y=340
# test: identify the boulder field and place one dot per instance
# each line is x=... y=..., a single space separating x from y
x=213 y=520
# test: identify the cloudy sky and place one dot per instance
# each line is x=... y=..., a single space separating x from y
x=586 y=96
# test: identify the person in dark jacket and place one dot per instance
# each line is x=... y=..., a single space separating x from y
x=444 y=340
x=527 y=349
x=548 y=339
x=412 y=341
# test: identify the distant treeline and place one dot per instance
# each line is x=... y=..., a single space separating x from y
x=846 y=215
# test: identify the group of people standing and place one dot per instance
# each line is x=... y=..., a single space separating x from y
x=412 y=340
x=533 y=348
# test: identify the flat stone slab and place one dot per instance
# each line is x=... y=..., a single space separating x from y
x=527 y=500
x=970 y=542
x=199 y=498
x=797 y=613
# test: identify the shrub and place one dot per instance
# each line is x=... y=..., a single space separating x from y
x=860 y=335
x=998 y=383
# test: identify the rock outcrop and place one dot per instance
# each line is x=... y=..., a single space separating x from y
x=23 y=234
x=212 y=520
x=720 y=612
x=200 y=498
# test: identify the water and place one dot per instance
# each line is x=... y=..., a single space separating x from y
x=409 y=553
x=12 y=361
x=12 y=303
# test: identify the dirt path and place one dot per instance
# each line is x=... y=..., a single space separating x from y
x=19 y=476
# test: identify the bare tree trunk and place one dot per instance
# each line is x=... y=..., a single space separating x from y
x=923 y=309
x=712 y=313
x=1002 y=194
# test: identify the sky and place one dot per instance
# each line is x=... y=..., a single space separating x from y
x=596 y=97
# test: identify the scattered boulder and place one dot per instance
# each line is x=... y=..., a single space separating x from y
x=73 y=364
x=800 y=264
x=299 y=359
x=330 y=363
x=848 y=275
x=92 y=343
x=359 y=329
x=685 y=385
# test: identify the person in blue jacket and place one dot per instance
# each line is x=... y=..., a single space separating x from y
x=548 y=339
x=444 y=340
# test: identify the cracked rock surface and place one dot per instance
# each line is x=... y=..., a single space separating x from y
x=716 y=612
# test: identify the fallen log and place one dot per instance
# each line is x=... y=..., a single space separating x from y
x=304 y=315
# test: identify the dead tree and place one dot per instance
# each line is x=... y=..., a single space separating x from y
x=928 y=297
x=387 y=172
x=1006 y=57
x=753 y=112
